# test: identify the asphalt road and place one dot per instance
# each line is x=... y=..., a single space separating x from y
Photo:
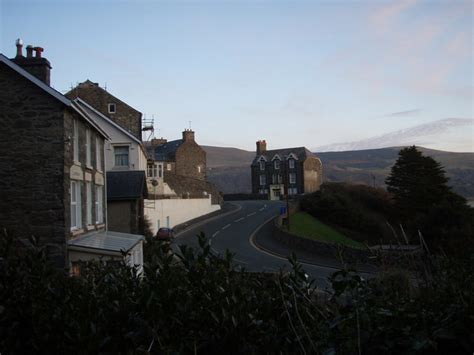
x=233 y=231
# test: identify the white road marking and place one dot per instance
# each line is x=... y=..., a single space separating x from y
x=251 y=214
x=216 y=233
x=261 y=209
x=240 y=219
x=240 y=261
x=226 y=226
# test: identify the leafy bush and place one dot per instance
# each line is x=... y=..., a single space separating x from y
x=361 y=210
x=194 y=302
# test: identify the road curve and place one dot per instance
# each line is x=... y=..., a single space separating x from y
x=233 y=231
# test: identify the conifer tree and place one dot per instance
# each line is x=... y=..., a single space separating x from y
x=417 y=182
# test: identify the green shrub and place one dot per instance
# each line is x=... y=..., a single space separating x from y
x=195 y=302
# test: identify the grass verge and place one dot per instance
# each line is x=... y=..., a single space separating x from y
x=304 y=225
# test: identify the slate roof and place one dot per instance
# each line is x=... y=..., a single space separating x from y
x=106 y=241
x=300 y=152
x=126 y=185
x=164 y=152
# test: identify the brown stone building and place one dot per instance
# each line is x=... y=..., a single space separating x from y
x=52 y=181
x=110 y=106
x=291 y=171
x=180 y=157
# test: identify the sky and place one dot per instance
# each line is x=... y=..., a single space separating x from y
x=295 y=73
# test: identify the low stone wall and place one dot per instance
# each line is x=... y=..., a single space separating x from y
x=319 y=248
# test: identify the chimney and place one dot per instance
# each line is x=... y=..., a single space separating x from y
x=158 y=141
x=29 y=51
x=37 y=66
x=188 y=135
x=261 y=147
x=19 y=47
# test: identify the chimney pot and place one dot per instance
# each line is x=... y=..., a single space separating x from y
x=38 y=51
x=29 y=51
x=19 y=47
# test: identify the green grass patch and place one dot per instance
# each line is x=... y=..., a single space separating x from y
x=304 y=225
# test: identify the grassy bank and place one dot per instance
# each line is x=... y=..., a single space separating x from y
x=306 y=226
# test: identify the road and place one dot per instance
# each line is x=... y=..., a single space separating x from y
x=233 y=231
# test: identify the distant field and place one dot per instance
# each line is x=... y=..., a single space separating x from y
x=306 y=226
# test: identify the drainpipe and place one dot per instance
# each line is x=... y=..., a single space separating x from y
x=106 y=217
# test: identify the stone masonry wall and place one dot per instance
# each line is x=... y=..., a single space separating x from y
x=313 y=174
x=125 y=115
x=189 y=157
x=31 y=162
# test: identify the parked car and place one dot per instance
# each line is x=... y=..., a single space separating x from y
x=165 y=234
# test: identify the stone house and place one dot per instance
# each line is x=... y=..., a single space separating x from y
x=182 y=157
x=291 y=171
x=109 y=105
x=52 y=181
x=177 y=186
x=125 y=164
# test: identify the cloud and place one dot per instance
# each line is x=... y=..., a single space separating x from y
x=404 y=113
x=386 y=15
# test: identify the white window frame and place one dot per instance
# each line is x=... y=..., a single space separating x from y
x=292 y=178
x=263 y=180
x=76 y=210
x=152 y=170
x=88 y=148
x=89 y=203
x=199 y=168
x=110 y=106
x=75 y=140
x=291 y=163
x=262 y=165
x=280 y=179
x=119 y=157
x=276 y=164
x=168 y=167
x=99 y=204
x=98 y=154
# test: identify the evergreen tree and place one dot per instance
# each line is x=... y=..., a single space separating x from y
x=417 y=182
x=425 y=202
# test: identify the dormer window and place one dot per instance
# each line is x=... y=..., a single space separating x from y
x=262 y=165
x=291 y=163
x=112 y=108
x=276 y=164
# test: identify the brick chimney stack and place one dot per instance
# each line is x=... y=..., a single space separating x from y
x=188 y=135
x=155 y=142
x=35 y=65
x=261 y=147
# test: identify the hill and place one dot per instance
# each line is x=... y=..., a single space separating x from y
x=229 y=168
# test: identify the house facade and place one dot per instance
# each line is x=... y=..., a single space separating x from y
x=52 y=169
x=118 y=111
x=177 y=186
x=125 y=164
x=291 y=171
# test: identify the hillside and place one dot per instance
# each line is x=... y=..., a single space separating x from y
x=229 y=168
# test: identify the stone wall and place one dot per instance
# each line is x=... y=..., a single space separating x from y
x=313 y=174
x=125 y=115
x=189 y=158
x=351 y=256
x=32 y=163
x=177 y=211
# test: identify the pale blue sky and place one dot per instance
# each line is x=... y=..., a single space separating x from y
x=291 y=72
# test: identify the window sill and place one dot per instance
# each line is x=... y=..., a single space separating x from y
x=76 y=231
x=78 y=163
x=89 y=167
x=90 y=227
x=100 y=225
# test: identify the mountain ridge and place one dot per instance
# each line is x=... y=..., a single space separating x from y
x=229 y=168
